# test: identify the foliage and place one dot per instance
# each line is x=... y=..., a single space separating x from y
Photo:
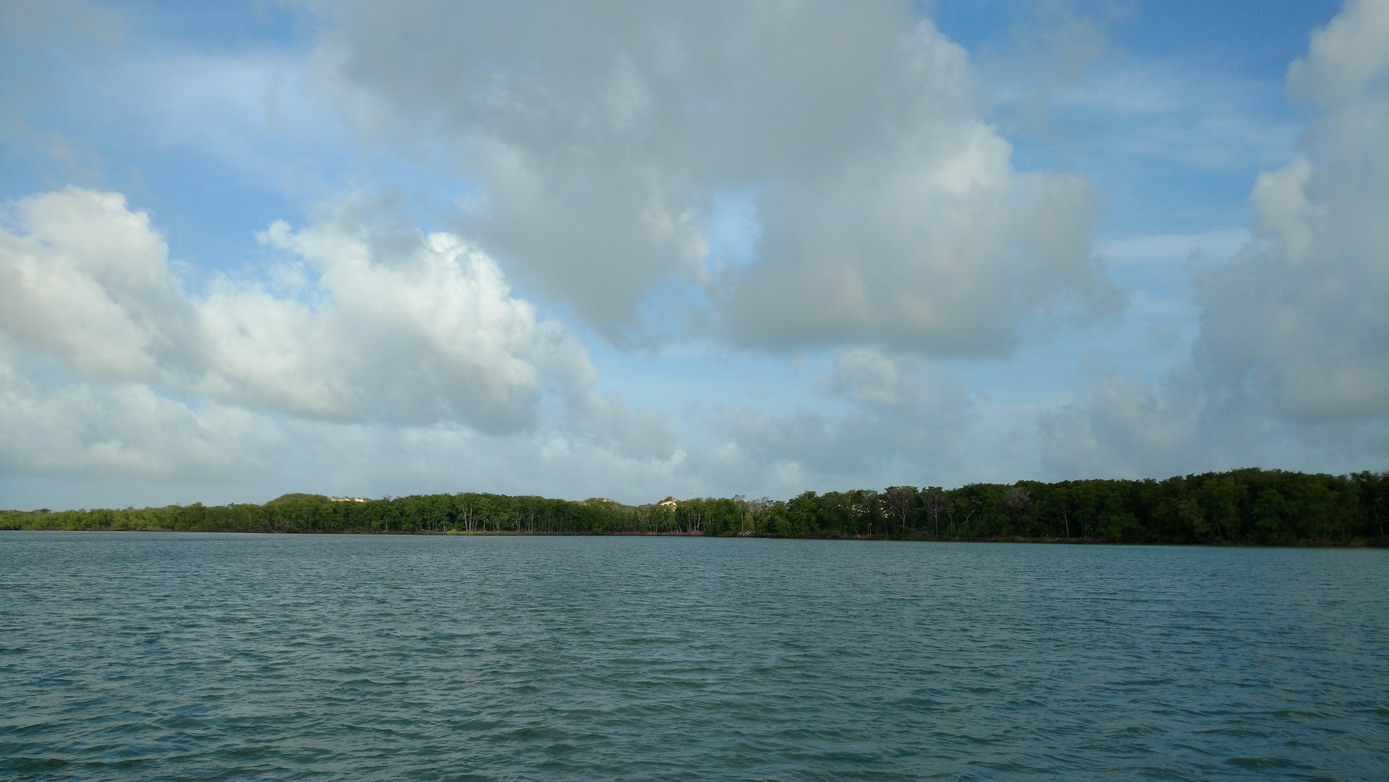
x=1240 y=507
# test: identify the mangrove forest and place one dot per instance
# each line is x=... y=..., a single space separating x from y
x=1247 y=507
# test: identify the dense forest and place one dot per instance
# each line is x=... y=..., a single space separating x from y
x=1239 y=507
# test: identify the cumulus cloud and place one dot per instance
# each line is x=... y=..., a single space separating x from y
x=95 y=430
x=429 y=333
x=1291 y=363
x=1345 y=58
x=88 y=279
x=1296 y=324
x=361 y=322
x=605 y=137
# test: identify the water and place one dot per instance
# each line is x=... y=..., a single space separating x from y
x=139 y=656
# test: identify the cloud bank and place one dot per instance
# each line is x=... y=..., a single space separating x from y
x=604 y=138
x=664 y=248
x=1292 y=354
x=353 y=325
x=1297 y=322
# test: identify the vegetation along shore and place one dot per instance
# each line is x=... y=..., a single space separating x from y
x=1249 y=506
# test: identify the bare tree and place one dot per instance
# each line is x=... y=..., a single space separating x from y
x=1016 y=498
x=936 y=502
x=901 y=501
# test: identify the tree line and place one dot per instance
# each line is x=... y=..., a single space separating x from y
x=1250 y=506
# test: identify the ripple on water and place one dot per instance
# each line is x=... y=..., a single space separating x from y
x=301 y=657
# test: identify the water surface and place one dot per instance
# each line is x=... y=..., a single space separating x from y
x=142 y=655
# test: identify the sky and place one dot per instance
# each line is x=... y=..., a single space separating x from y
x=645 y=249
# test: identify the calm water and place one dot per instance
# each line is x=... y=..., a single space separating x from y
x=139 y=656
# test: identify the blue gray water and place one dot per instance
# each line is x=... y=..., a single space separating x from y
x=199 y=656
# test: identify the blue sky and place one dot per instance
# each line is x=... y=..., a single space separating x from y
x=650 y=249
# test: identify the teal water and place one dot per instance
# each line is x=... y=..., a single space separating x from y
x=202 y=656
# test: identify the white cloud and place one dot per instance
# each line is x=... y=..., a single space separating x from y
x=606 y=138
x=364 y=322
x=430 y=333
x=1296 y=324
x=941 y=259
x=1291 y=362
x=427 y=333
x=86 y=278
x=1347 y=57
x=95 y=430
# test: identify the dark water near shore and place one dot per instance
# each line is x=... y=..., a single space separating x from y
x=139 y=656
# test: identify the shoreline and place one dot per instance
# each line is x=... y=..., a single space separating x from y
x=698 y=535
